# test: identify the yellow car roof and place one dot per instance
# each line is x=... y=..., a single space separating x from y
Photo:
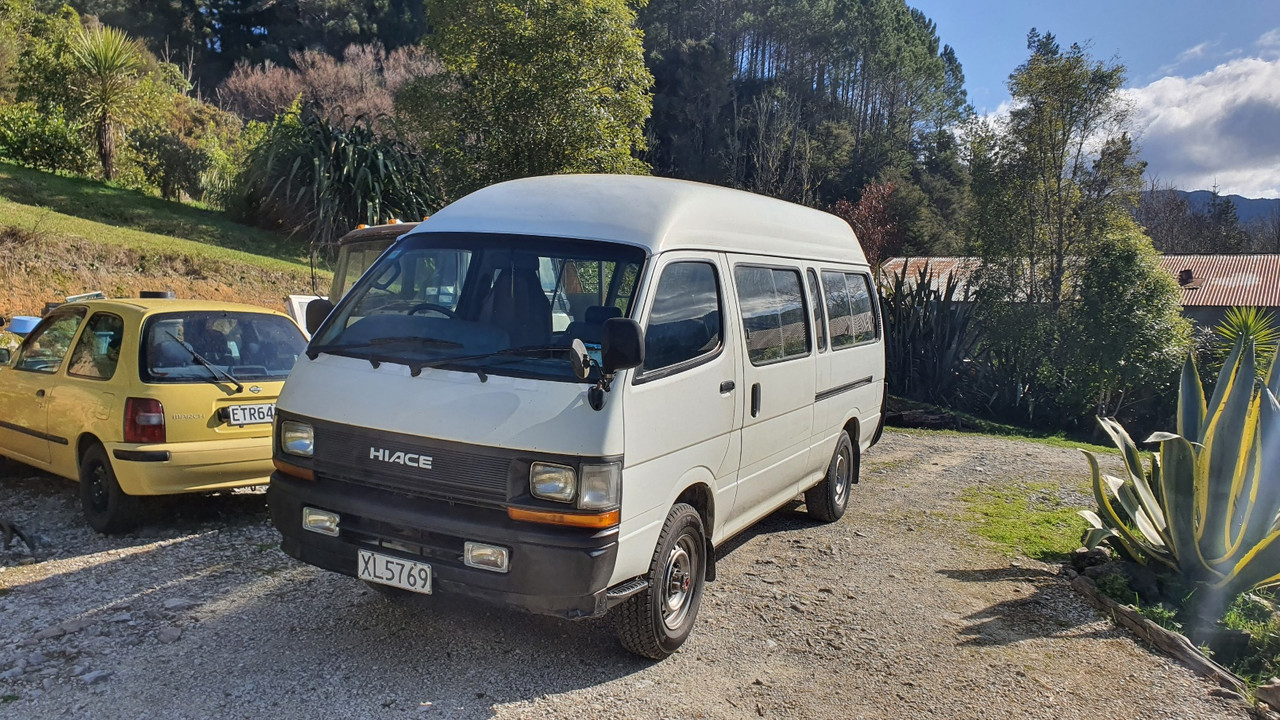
x=148 y=306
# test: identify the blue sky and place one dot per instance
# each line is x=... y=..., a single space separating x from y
x=1204 y=78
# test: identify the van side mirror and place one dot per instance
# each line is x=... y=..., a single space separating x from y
x=317 y=311
x=621 y=345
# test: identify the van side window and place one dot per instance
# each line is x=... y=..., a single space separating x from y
x=865 y=327
x=839 y=309
x=850 y=309
x=685 y=320
x=98 y=352
x=771 y=301
x=815 y=299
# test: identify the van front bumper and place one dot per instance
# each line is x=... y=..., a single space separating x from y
x=202 y=466
x=553 y=570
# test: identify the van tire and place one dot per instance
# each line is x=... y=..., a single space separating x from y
x=106 y=506
x=647 y=624
x=828 y=500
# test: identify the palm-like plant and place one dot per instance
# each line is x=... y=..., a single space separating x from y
x=108 y=63
x=1248 y=322
x=1207 y=508
x=321 y=178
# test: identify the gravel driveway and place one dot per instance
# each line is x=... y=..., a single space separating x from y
x=897 y=611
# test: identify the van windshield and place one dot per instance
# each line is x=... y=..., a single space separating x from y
x=501 y=304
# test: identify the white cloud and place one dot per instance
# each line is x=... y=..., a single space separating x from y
x=1269 y=43
x=1195 y=52
x=1222 y=126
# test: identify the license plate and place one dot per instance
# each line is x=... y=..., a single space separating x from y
x=393 y=571
x=251 y=414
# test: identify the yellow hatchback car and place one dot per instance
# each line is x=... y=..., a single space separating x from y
x=147 y=397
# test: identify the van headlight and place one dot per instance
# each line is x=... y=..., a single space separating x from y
x=600 y=487
x=552 y=482
x=297 y=438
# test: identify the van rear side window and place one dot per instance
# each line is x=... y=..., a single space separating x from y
x=771 y=301
x=849 y=308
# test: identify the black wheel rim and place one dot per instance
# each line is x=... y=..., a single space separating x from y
x=97 y=480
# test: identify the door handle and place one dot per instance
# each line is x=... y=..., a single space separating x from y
x=755 y=399
x=727 y=386
x=40 y=393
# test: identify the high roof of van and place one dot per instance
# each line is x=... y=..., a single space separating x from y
x=657 y=214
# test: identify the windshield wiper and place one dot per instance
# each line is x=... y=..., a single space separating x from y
x=416 y=368
x=315 y=350
x=208 y=365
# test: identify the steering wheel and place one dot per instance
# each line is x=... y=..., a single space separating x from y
x=434 y=308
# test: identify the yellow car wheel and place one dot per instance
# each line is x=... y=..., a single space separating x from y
x=107 y=508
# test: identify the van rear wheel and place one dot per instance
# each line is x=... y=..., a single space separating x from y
x=107 y=508
x=656 y=622
x=828 y=500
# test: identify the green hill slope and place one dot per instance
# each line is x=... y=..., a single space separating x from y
x=62 y=236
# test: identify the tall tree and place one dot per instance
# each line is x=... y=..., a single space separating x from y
x=531 y=88
x=808 y=101
x=1053 y=186
x=108 y=65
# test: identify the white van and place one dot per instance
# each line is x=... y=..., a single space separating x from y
x=723 y=353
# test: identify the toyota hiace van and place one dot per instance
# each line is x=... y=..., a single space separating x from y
x=564 y=393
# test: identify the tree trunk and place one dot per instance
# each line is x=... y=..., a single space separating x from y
x=106 y=138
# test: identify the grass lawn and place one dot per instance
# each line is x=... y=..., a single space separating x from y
x=57 y=202
x=61 y=236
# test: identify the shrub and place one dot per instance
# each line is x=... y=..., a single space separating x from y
x=45 y=140
x=931 y=338
x=320 y=179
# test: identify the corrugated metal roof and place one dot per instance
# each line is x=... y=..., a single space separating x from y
x=1226 y=280
x=1215 y=280
x=940 y=268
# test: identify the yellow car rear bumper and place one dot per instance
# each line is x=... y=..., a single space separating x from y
x=171 y=468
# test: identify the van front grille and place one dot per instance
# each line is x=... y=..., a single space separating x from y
x=412 y=465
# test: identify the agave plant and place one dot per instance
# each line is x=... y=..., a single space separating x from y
x=1207 y=506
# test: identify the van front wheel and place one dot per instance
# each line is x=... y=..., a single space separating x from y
x=827 y=500
x=656 y=622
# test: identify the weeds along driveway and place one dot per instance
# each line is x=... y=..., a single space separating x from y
x=899 y=610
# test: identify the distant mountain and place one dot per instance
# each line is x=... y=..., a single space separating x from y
x=1247 y=209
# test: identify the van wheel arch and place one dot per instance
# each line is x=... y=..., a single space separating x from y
x=852 y=427
x=700 y=497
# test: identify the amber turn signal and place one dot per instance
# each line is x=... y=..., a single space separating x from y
x=600 y=520
x=290 y=469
